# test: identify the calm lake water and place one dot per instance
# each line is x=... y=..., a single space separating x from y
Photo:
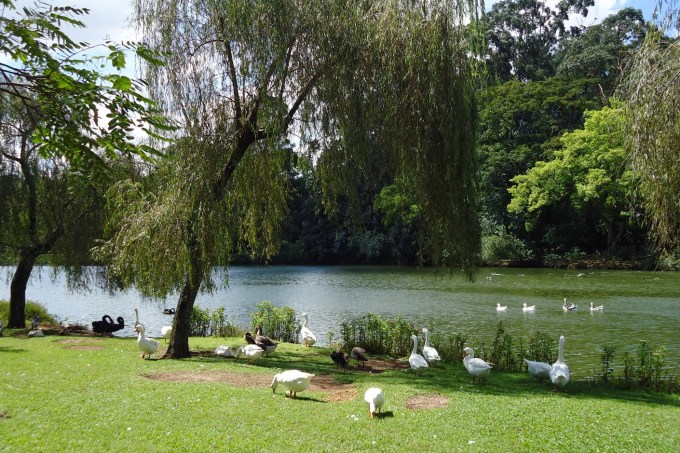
x=637 y=305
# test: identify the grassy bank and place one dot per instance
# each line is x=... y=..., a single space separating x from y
x=85 y=394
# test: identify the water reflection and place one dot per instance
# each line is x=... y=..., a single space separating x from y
x=637 y=305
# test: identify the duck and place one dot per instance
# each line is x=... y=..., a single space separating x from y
x=293 y=380
x=477 y=368
x=106 y=325
x=569 y=306
x=501 y=308
x=166 y=331
x=430 y=353
x=169 y=311
x=598 y=308
x=308 y=338
x=375 y=399
x=147 y=345
x=416 y=360
x=251 y=351
x=559 y=373
x=526 y=309
x=340 y=358
x=264 y=342
x=539 y=370
x=359 y=354
x=224 y=351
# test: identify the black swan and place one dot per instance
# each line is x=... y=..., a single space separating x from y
x=106 y=325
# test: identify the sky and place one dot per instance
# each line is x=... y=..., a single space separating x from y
x=110 y=19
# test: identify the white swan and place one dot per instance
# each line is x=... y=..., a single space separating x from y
x=308 y=338
x=477 y=368
x=528 y=309
x=166 y=331
x=416 y=360
x=569 y=306
x=147 y=345
x=501 y=308
x=224 y=351
x=559 y=373
x=539 y=370
x=430 y=353
x=598 y=308
x=293 y=380
x=251 y=351
x=375 y=399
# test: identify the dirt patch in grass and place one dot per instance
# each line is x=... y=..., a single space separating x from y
x=378 y=366
x=338 y=391
x=71 y=341
x=427 y=401
x=84 y=347
x=4 y=415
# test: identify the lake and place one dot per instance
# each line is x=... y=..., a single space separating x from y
x=637 y=305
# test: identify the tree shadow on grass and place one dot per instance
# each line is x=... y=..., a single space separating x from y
x=10 y=349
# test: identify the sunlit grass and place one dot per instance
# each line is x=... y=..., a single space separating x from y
x=58 y=395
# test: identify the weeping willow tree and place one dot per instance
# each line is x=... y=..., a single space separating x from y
x=350 y=80
x=651 y=89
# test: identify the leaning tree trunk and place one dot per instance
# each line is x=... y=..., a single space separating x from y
x=17 y=297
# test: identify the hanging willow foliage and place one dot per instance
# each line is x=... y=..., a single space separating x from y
x=651 y=89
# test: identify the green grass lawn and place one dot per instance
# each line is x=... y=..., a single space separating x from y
x=85 y=394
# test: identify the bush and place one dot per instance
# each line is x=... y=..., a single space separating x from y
x=377 y=335
x=206 y=324
x=278 y=323
x=32 y=309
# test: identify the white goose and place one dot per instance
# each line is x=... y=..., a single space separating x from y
x=416 y=360
x=569 y=306
x=375 y=399
x=598 y=308
x=526 y=309
x=430 y=353
x=501 y=308
x=251 y=351
x=224 y=351
x=166 y=331
x=293 y=380
x=147 y=345
x=477 y=368
x=559 y=373
x=539 y=370
x=137 y=323
x=308 y=338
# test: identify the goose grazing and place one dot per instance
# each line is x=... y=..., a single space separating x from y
x=539 y=370
x=308 y=338
x=375 y=399
x=251 y=351
x=416 y=360
x=559 y=373
x=430 y=353
x=293 y=380
x=501 y=308
x=598 y=308
x=569 y=306
x=166 y=331
x=147 y=345
x=264 y=342
x=340 y=358
x=359 y=354
x=526 y=309
x=477 y=368
x=224 y=351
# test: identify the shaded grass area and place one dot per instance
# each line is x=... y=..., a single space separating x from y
x=85 y=394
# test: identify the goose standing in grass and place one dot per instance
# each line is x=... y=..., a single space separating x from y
x=375 y=399
x=340 y=358
x=500 y=307
x=147 y=345
x=359 y=354
x=264 y=342
x=539 y=370
x=224 y=351
x=477 y=368
x=308 y=338
x=559 y=373
x=430 y=353
x=166 y=331
x=293 y=380
x=528 y=309
x=251 y=351
x=598 y=308
x=416 y=360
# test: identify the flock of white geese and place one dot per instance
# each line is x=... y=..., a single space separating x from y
x=567 y=306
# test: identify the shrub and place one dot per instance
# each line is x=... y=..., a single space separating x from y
x=606 y=358
x=278 y=323
x=32 y=309
x=203 y=323
x=377 y=335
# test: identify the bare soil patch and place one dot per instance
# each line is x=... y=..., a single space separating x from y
x=378 y=366
x=84 y=347
x=427 y=401
x=71 y=341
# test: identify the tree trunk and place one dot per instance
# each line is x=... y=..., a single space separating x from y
x=181 y=328
x=17 y=297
